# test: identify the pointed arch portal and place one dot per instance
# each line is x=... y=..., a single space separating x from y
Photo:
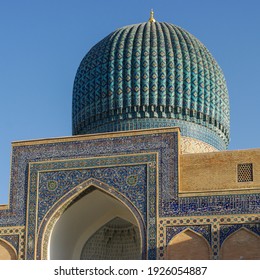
x=95 y=224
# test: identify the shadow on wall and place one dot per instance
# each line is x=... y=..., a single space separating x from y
x=7 y=252
x=117 y=240
x=243 y=244
x=189 y=245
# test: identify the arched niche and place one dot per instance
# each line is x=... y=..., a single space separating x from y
x=242 y=244
x=188 y=245
x=63 y=234
x=116 y=240
x=7 y=251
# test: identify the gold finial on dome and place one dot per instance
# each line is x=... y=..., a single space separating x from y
x=151 y=19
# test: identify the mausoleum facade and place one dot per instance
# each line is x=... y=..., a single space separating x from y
x=147 y=173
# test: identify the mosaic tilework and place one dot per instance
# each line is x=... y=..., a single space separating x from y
x=149 y=71
x=123 y=240
x=211 y=136
x=57 y=167
x=22 y=155
x=129 y=180
x=46 y=226
x=50 y=183
x=213 y=205
x=227 y=230
x=204 y=230
x=215 y=229
x=114 y=177
x=16 y=237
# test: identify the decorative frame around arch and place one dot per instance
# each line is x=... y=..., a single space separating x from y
x=51 y=181
x=60 y=206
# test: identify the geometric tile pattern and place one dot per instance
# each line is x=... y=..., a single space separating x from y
x=55 y=212
x=245 y=172
x=204 y=230
x=213 y=205
x=16 y=237
x=133 y=175
x=226 y=230
x=129 y=181
x=189 y=129
x=141 y=167
x=215 y=229
x=23 y=155
x=146 y=72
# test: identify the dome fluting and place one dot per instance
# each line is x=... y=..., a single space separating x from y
x=149 y=75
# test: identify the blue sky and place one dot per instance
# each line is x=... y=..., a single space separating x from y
x=43 y=41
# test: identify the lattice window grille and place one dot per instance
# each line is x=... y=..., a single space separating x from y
x=245 y=172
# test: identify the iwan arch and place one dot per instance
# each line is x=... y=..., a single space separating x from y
x=146 y=174
x=113 y=228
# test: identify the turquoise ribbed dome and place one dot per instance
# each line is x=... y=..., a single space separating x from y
x=147 y=75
